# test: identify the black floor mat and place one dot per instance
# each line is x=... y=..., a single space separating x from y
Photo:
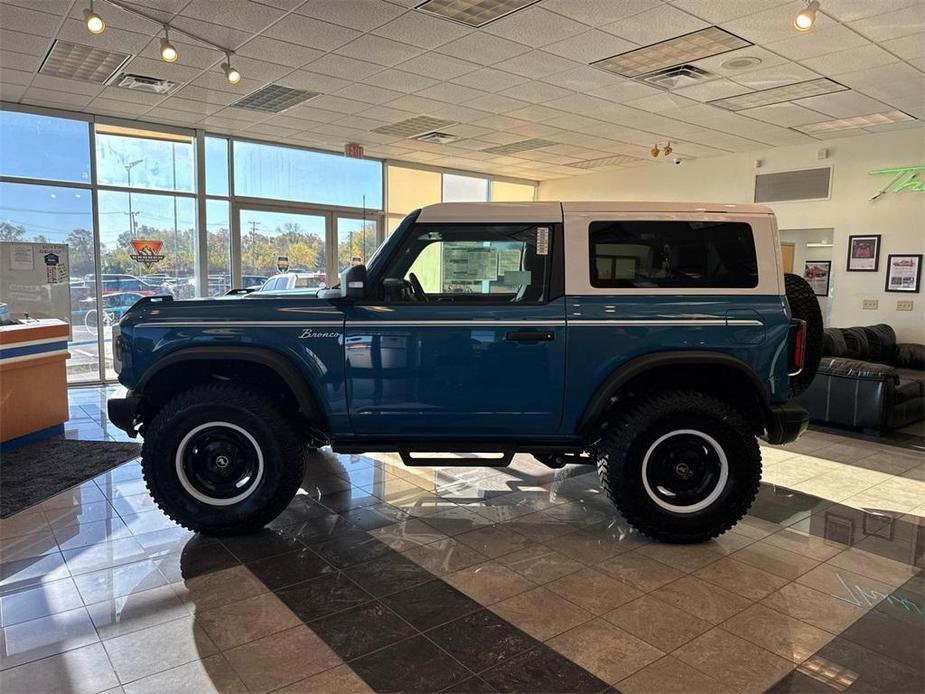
x=36 y=472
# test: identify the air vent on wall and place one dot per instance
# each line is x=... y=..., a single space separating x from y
x=677 y=51
x=436 y=138
x=777 y=95
x=808 y=184
x=75 y=61
x=274 y=98
x=474 y=13
x=144 y=84
x=413 y=126
x=520 y=146
x=615 y=160
x=677 y=77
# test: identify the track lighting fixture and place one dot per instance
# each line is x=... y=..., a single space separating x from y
x=667 y=149
x=168 y=52
x=655 y=150
x=231 y=74
x=95 y=23
x=804 y=20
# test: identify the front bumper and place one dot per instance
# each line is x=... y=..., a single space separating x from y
x=785 y=422
x=122 y=412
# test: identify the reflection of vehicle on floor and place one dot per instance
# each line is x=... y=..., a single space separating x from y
x=114 y=307
x=655 y=340
x=294 y=280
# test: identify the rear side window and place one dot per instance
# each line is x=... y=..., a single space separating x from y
x=672 y=254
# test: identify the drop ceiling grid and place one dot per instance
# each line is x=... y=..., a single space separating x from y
x=383 y=20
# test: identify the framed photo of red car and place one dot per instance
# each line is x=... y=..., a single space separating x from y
x=818 y=273
x=864 y=253
x=903 y=272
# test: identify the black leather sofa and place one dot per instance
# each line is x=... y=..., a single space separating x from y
x=867 y=381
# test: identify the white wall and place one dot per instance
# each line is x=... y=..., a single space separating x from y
x=898 y=217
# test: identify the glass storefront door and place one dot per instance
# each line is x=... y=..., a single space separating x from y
x=357 y=239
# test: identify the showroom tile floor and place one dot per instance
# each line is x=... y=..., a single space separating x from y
x=524 y=579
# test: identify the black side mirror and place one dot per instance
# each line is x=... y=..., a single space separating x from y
x=353 y=282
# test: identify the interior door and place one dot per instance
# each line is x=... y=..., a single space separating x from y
x=476 y=350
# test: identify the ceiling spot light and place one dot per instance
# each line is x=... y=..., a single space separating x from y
x=95 y=23
x=168 y=52
x=231 y=74
x=804 y=20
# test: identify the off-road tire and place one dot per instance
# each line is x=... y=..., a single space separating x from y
x=805 y=305
x=639 y=424
x=276 y=434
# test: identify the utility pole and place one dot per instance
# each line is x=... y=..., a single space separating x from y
x=254 y=224
x=128 y=175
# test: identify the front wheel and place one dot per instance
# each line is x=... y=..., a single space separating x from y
x=680 y=466
x=221 y=459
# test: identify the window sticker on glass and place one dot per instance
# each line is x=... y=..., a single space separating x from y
x=542 y=240
x=463 y=263
x=508 y=260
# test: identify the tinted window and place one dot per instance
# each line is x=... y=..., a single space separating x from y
x=672 y=254
x=472 y=262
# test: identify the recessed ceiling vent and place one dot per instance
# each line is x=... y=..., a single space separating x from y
x=474 y=13
x=74 y=61
x=615 y=160
x=520 y=146
x=274 y=98
x=140 y=83
x=437 y=138
x=412 y=127
x=677 y=77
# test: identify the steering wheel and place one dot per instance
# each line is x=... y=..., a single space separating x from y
x=416 y=288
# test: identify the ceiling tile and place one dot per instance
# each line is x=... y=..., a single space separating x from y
x=438 y=65
x=49 y=97
x=590 y=46
x=21 y=61
x=417 y=104
x=180 y=104
x=419 y=29
x=622 y=91
x=23 y=43
x=280 y=52
x=376 y=49
x=715 y=64
x=483 y=49
x=718 y=11
x=338 y=104
x=582 y=79
x=766 y=26
x=910 y=47
x=258 y=69
x=9 y=76
x=859 y=58
x=826 y=38
x=451 y=93
x=313 y=82
x=190 y=54
x=785 y=115
x=536 y=64
x=496 y=103
x=310 y=32
x=221 y=34
x=240 y=14
x=112 y=40
x=536 y=114
x=368 y=93
x=534 y=26
x=891 y=25
x=850 y=10
x=364 y=15
x=343 y=67
x=111 y=107
x=490 y=80
x=843 y=104
x=30 y=21
x=400 y=81
x=598 y=12
x=658 y=24
x=536 y=92
x=776 y=76
x=712 y=89
x=161 y=70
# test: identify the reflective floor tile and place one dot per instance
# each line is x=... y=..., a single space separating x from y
x=873 y=566
x=540 y=564
x=669 y=675
x=137 y=611
x=444 y=556
x=541 y=613
x=246 y=620
x=797 y=540
x=664 y=626
x=83 y=670
x=351 y=549
x=39 y=601
x=743 y=579
x=430 y=604
x=103 y=555
x=387 y=574
x=199 y=556
x=775 y=560
x=592 y=548
x=361 y=630
x=147 y=522
x=136 y=503
x=593 y=590
x=22 y=523
x=218 y=588
x=605 y=650
x=91 y=533
x=281 y=659
x=863 y=670
x=414 y=665
x=639 y=571
x=318 y=529
x=493 y=540
x=827 y=612
x=488 y=583
x=540 y=526
x=211 y=675
x=687 y=558
x=541 y=669
x=374 y=516
x=482 y=640
x=339 y=680
x=847 y=586
x=14 y=575
x=77 y=515
x=407 y=534
x=322 y=596
x=107 y=584
x=456 y=520
x=112 y=488
x=158 y=648
x=40 y=638
x=774 y=631
x=734 y=661
x=288 y=569
x=260 y=544
x=85 y=493
x=701 y=599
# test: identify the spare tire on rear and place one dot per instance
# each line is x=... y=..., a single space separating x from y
x=805 y=306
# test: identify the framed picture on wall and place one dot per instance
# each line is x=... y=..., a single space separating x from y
x=864 y=253
x=817 y=273
x=903 y=272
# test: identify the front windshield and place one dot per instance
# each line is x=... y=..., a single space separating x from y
x=384 y=249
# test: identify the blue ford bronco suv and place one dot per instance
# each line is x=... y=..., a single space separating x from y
x=657 y=341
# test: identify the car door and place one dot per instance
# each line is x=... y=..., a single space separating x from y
x=463 y=336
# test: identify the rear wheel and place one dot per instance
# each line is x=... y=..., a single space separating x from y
x=221 y=459
x=680 y=466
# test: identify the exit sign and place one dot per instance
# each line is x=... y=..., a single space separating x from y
x=354 y=151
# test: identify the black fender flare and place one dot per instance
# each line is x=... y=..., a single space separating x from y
x=601 y=398
x=280 y=364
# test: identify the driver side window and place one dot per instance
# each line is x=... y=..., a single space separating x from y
x=471 y=263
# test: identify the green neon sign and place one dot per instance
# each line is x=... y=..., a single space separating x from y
x=904 y=178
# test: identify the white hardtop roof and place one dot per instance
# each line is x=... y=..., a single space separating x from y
x=552 y=211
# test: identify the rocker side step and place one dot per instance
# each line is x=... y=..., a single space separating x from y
x=503 y=461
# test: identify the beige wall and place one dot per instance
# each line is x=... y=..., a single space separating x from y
x=898 y=217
